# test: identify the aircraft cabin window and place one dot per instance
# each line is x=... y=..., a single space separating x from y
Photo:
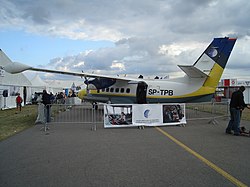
x=111 y=89
x=117 y=90
x=122 y=90
x=128 y=90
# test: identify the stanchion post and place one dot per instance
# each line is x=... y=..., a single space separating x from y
x=213 y=120
x=93 y=128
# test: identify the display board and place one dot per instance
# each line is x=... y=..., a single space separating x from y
x=130 y=115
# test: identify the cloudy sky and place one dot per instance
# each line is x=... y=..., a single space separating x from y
x=149 y=37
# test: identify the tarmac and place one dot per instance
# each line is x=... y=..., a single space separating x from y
x=200 y=154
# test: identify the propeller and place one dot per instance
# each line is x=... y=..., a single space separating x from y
x=87 y=84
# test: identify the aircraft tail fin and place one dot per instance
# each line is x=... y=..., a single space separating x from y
x=210 y=65
x=217 y=52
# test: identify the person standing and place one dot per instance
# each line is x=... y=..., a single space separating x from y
x=19 y=101
x=46 y=101
x=237 y=105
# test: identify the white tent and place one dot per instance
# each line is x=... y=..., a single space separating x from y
x=64 y=84
x=38 y=82
x=13 y=83
x=55 y=83
x=38 y=85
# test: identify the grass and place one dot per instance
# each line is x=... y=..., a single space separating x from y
x=246 y=114
x=13 y=121
x=218 y=108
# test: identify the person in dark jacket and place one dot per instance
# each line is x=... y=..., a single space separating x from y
x=47 y=103
x=237 y=105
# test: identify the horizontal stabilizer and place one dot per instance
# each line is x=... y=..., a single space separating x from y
x=192 y=71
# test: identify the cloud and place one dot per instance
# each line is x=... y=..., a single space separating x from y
x=130 y=56
x=150 y=37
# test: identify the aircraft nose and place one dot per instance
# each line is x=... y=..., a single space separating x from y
x=82 y=93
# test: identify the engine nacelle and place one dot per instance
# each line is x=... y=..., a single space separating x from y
x=99 y=83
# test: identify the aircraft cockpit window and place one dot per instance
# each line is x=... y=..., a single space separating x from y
x=128 y=90
x=122 y=90
x=117 y=90
x=111 y=89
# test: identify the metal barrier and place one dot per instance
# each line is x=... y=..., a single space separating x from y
x=42 y=116
x=86 y=113
x=207 y=111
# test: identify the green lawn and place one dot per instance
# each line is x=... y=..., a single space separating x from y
x=218 y=108
x=12 y=121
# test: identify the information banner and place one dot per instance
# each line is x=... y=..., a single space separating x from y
x=130 y=115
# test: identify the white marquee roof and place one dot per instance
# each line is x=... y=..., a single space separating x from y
x=6 y=78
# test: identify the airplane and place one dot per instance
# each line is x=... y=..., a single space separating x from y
x=197 y=85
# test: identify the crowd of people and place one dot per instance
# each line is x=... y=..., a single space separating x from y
x=58 y=98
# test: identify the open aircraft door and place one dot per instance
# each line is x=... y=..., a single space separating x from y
x=141 y=93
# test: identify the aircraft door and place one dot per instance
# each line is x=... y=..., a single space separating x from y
x=141 y=93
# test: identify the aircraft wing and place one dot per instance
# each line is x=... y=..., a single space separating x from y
x=17 y=67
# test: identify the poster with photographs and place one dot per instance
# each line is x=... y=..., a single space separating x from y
x=116 y=115
x=173 y=114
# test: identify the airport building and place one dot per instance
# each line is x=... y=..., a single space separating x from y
x=227 y=86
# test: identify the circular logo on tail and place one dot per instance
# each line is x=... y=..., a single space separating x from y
x=212 y=52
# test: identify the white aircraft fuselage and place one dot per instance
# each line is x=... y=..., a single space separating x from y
x=153 y=91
